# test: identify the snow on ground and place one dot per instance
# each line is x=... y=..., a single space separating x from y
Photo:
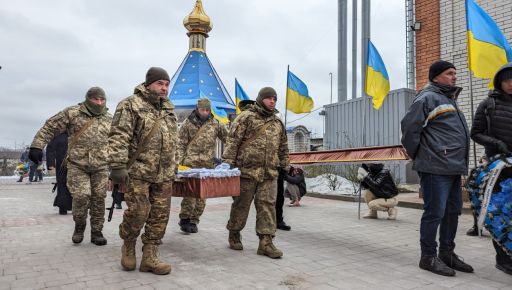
x=320 y=184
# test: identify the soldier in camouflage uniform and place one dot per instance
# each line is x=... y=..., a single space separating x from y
x=87 y=125
x=196 y=147
x=143 y=157
x=257 y=144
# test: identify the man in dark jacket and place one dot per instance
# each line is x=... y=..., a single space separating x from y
x=492 y=128
x=56 y=151
x=379 y=190
x=436 y=137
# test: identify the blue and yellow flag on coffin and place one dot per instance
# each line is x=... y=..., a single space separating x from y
x=297 y=96
x=240 y=95
x=488 y=48
x=377 y=79
x=219 y=114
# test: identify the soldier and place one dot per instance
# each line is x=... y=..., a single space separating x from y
x=87 y=125
x=142 y=145
x=257 y=144
x=196 y=148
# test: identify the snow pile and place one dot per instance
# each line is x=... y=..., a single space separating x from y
x=321 y=185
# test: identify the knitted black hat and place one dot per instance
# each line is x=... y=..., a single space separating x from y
x=437 y=68
x=155 y=74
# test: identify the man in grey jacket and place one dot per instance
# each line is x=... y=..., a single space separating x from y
x=436 y=137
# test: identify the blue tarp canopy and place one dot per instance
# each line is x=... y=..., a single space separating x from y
x=196 y=74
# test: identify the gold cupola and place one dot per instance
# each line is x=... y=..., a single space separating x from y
x=198 y=25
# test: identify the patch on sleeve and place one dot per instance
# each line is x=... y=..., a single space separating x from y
x=117 y=118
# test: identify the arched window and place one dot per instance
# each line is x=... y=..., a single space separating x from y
x=299 y=142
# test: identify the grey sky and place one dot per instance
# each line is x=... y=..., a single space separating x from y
x=53 y=51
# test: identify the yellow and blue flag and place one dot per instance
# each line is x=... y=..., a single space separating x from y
x=240 y=95
x=377 y=79
x=218 y=113
x=297 y=96
x=488 y=48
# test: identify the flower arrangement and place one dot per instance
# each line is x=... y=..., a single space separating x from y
x=499 y=215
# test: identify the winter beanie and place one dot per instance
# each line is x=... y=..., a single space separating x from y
x=95 y=109
x=155 y=74
x=266 y=92
x=203 y=103
x=95 y=92
x=437 y=68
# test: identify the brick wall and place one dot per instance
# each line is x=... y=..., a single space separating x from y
x=454 y=48
x=427 y=39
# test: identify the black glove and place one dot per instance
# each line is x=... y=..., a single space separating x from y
x=35 y=155
x=231 y=166
x=217 y=161
x=502 y=147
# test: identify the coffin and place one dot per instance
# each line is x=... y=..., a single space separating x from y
x=207 y=187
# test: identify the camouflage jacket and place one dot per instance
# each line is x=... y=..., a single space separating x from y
x=90 y=151
x=199 y=151
x=266 y=153
x=133 y=121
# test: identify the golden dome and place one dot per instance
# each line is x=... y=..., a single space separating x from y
x=197 y=21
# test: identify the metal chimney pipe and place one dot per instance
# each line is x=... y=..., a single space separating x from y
x=342 y=50
x=354 y=49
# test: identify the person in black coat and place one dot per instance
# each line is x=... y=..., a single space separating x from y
x=280 y=203
x=492 y=128
x=55 y=153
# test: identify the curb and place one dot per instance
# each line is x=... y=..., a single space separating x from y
x=401 y=203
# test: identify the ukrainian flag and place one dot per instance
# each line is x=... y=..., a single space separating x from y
x=240 y=95
x=377 y=79
x=297 y=96
x=488 y=48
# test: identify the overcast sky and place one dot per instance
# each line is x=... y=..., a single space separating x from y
x=52 y=51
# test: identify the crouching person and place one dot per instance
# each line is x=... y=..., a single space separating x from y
x=379 y=190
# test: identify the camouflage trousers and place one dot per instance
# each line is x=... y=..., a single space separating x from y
x=264 y=194
x=89 y=189
x=192 y=208
x=149 y=205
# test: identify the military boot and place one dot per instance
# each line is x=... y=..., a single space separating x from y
x=267 y=248
x=128 y=260
x=151 y=263
x=78 y=234
x=235 y=241
x=98 y=239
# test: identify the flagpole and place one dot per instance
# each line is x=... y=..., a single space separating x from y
x=472 y=112
x=286 y=98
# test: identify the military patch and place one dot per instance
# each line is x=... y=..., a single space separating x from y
x=117 y=117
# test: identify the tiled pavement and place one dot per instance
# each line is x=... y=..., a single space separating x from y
x=328 y=248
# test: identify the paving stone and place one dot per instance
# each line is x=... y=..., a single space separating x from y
x=327 y=248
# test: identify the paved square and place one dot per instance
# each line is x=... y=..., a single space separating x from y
x=328 y=248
